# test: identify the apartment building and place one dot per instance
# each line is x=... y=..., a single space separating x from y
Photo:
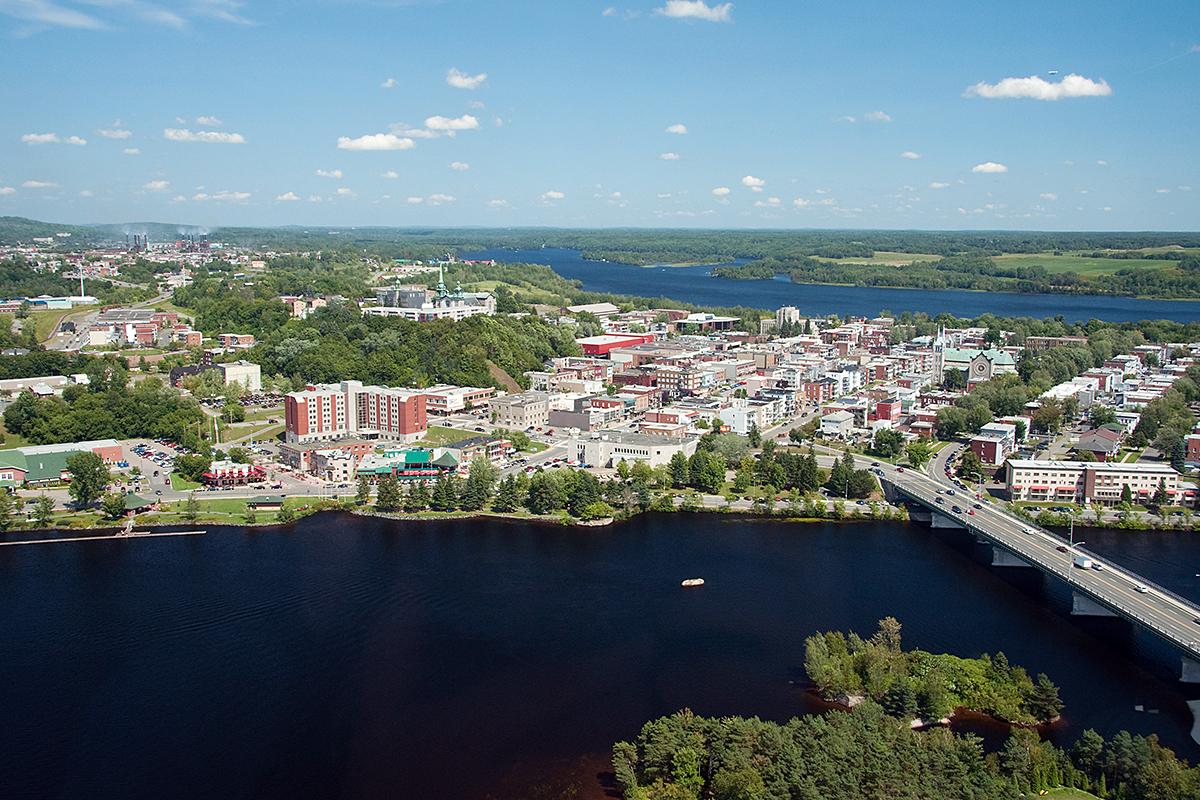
x=522 y=411
x=1090 y=482
x=327 y=412
x=444 y=399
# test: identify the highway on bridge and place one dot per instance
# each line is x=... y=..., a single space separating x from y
x=1127 y=594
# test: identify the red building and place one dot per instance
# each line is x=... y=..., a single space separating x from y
x=602 y=345
x=349 y=409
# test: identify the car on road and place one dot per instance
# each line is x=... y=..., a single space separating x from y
x=1096 y=565
x=1062 y=548
x=1027 y=531
x=971 y=511
x=940 y=501
x=874 y=463
x=899 y=469
x=1140 y=588
x=956 y=510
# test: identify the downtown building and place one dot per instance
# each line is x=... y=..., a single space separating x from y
x=332 y=411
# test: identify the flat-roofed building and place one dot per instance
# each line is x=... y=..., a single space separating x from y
x=522 y=411
x=1091 y=482
x=327 y=412
x=609 y=448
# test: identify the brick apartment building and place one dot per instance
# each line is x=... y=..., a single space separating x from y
x=327 y=412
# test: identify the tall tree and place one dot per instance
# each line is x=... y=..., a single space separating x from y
x=387 y=494
x=89 y=478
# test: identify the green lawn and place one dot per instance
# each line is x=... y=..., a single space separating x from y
x=1084 y=265
x=1070 y=794
x=45 y=322
x=440 y=436
x=233 y=435
x=180 y=484
x=11 y=439
x=883 y=258
x=264 y=414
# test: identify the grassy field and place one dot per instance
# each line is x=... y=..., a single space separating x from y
x=884 y=258
x=11 y=439
x=1070 y=794
x=182 y=484
x=440 y=436
x=525 y=293
x=45 y=322
x=1084 y=265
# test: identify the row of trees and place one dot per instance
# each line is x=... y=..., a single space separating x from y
x=869 y=755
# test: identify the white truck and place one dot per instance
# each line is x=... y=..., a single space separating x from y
x=1083 y=562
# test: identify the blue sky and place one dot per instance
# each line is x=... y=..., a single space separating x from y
x=797 y=114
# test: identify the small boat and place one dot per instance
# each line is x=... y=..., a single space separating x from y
x=692 y=582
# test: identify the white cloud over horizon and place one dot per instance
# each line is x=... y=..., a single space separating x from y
x=989 y=168
x=209 y=137
x=679 y=129
x=462 y=80
x=669 y=156
x=375 y=141
x=1036 y=87
x=910 y=155
x=696 y=9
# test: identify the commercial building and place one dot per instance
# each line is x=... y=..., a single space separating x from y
x=37 y=465
x=444 y=399
x=603 y=345
x=328 y=412
x=231 y=473
x=1090 y=482
x=994 y=443
x=609 y=448
x=522 y=411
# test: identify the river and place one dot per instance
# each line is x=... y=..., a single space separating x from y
x=356 y=657
x=695 y=285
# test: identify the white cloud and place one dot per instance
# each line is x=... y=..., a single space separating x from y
x=552 y=194
x=329 y=173
x=439 y=199
x=1037 y=88
x=1101 y=163
x=697 y=9
x=39 y=185
x=989 y=168
x=1048 y=196
x=206 y=121
x=459 y=166
x=464 y=123
x=209 y=137
x=804 y=202
x=847 y=118
x=1106 y=209
x=132 y=151
x=85 y=193
x=909 y=154
x=499 y=202
x=287 y=197
x=721 y=191
x=753 y=183
x=415 y=201
x=669 y=156
x=115 y=132
x=1184 y=188
x=157 y=186
x=6 y=190
x=678 y=128
x=1162 y=190
x=391 y=174
x=40 y=138
x=389 y=83
x=770 y=202
x=46 y=12
x=343 y=191
x=461 y=80
x=78 y=141
x=375 y=141
x=938 y=185
x=225 y=197
x=877 y=116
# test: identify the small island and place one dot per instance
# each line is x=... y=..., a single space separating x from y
x=925 y=688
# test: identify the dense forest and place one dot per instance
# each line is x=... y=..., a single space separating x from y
x=868 y=755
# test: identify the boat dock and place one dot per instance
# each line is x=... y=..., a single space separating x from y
x=116 y=537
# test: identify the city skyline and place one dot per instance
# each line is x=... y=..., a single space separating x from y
x=676 y=113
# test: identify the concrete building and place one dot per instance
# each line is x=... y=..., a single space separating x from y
x=421 y=305
x=1089 y=482
x=328 y=412
x=246 y=374
x=609 y=448
x=994 y=443
x=444 y=399
x=522 y=411
x=839 y=424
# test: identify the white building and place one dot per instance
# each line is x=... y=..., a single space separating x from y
x=838 y=424
x=1093 y=482
x=609 y=448
x=246 y=374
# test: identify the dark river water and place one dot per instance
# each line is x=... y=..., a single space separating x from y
x=350 y=657
x=695 y=285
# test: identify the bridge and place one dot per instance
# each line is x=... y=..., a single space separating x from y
x=1112 y=591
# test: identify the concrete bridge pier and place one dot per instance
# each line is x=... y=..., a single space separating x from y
x=1084 y=606
x=942 y=521
x=1003 y=558
x=1189 y=670
x=919 y=513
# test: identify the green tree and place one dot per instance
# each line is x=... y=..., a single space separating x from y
x=445 y=494
x=679 y=470
x=888 y=442
x=507 y=497
x=363 y=494
x=7 y=510
x=1043 y=702
x=113 y=505
x=480 y=483
x=418 y=497
x=546 y=493
x=43 y=511
x=89 y=478
x=918 y=452
x=387 y=494
x=970 y=467
x=191 y=508
x=754 y=435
